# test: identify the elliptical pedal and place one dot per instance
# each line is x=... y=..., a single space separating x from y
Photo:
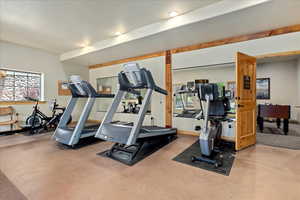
x=217 y=162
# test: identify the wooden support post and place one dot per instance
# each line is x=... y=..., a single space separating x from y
x=168 y=86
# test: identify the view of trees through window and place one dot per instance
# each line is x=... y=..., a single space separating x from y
x=16 y=85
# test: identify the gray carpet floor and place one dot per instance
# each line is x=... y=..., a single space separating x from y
x=272 y=136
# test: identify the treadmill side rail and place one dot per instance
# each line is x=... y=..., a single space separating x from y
x=108 y=117
x=81 y=122
x=79 y=89
x=66 y=116
x=140 y=118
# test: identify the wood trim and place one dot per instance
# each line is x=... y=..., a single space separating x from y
x=168 y=87
x=20 y=102
x=184 y=132
x=125 y=60
x=5 y=111
x=224 y=41
x=2 y=74
x=10 y=122
x=241 y=38
x=279 y=54
x=61 y=91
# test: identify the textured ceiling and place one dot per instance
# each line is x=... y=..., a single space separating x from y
x=63 y=25
x=254 y=19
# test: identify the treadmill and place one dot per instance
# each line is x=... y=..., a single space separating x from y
x=134 y=142
x=79 y=89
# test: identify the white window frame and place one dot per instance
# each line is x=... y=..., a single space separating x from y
x=42 y=83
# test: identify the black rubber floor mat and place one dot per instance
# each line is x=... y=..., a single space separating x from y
x=147 y=148
x=227 y=150
x=83 y=142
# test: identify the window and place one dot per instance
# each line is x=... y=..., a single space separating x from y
x=16 y=85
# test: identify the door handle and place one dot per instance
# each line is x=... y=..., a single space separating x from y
x=240 y=105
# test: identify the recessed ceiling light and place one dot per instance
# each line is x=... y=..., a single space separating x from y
x=118 y=33
x=173 y=14
x=84 y=43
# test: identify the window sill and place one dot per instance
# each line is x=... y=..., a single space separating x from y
x=20 y=102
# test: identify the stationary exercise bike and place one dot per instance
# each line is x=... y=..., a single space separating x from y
x=38 y=120
x=213 y=115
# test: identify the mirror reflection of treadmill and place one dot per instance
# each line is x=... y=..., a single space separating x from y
x=134 y=142
x=71 y=135
x=184 y=91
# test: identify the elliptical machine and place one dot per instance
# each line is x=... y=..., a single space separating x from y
x=213 y=115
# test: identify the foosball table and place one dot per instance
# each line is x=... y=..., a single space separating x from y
x=279 y=112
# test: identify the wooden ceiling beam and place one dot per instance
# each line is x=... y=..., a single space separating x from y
x=241 y=38
x=230 y=40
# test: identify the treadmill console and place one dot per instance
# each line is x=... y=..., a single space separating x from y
x=76 y=81
x=133 y=73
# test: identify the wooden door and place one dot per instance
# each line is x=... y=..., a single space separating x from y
x=245 y=101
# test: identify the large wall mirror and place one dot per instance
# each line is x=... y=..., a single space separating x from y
x=186 y=104
x=130 y=104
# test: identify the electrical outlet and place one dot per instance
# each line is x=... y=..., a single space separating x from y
x=197 y=128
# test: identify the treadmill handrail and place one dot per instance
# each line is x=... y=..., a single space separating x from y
x=151 y=84
x=147 y=82
x=160 y=90
x=88 y=89
x=99 y=95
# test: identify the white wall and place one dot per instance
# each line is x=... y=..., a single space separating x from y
x=298 y=86
x=22 y=58
x=214 y=74
x=156 y=66
x=227 y=53
x=283 y=77
x=298 y=78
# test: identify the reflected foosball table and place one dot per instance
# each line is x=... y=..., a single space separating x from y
x=278 y=112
